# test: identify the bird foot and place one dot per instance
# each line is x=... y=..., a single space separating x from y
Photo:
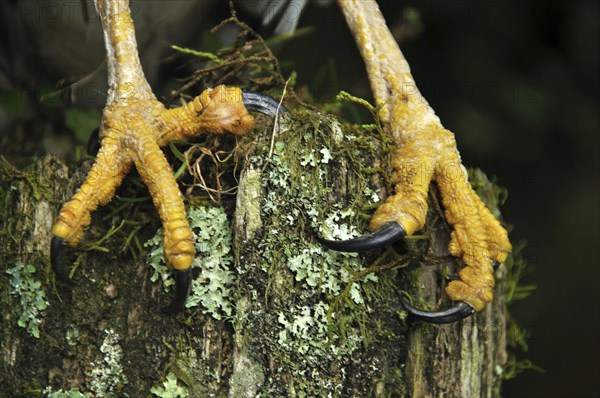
x=477 y=237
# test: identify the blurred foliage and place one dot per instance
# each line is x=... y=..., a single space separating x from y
x=82 y=122
x=517 y=289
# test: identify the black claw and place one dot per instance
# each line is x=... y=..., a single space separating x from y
x=384 y=236
x=58 y=258
x=93 y=144
x=183 y=284
x=262 y=103
x=456 y=313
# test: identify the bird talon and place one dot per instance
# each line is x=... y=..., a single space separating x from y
x=135 y=125
x=58 y=258
x=183 y=285
x=386 y=235
x=453 y=314
x=262 y=103
x=93 y=144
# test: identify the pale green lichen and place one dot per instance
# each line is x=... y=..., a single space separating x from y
x=72 y=335
x=315 y=330
x=213 y=241
x=32 y=299
x=169 y=388
x=326 y=155
x=323 y=269
x=106 y=377
x=72 y=393
x=313 y=265
x=305 y=331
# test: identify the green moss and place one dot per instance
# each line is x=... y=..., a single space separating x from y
x=492 y=194
x=390 y=384
x=296 y=187
x=516 y=337
x=10 y=172
x=72 y=335
x=192 y=373
x=517 y=268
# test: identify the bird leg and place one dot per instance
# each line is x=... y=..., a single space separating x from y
x=424 y=151
x=135 y=125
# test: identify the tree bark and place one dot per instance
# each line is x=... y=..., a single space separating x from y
x=307 y=322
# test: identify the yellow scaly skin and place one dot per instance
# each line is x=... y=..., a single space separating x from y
x=135 y=125
x=425 y=151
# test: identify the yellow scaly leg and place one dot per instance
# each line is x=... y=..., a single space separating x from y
x=425 y=151
x=135 y=125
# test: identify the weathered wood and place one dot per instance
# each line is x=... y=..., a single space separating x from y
x=395 y=357
x=298 y=329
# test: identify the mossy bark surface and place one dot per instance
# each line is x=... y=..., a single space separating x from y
x=308 y=322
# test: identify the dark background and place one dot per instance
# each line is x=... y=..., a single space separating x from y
x=517 y=81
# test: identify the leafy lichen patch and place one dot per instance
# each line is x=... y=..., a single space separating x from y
x=211 y=289
x=71 y=393
x=31 y=296
x=170 y=388
x=311 y=182
x=106 y=377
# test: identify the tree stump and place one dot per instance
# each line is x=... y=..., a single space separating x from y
x=308 y=322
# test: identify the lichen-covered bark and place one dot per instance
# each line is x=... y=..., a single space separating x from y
x=308 y=322
x=104 y=335
x=393 y=357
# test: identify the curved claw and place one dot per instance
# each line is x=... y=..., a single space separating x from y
x=93 y=144
x=183 y=284
x=456 y=313
x=384 y=236
x=262 y=103
x=58 y=258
